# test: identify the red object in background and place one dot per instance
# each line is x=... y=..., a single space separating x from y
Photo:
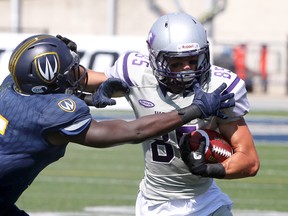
x=239 y=55
x=263 y=61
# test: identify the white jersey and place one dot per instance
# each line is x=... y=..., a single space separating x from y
x=166 y=175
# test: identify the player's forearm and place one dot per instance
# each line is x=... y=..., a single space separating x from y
x=248 y=167
x=111 y=133
x=244 y=162
x=189 y=113
x=162 y=123
x=156 y=125
x=94 y=80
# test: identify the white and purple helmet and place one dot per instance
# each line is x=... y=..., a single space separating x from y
x=178 y=35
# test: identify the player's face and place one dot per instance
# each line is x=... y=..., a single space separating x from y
x=183 y=63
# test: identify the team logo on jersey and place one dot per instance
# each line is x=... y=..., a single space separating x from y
x=146 y=103
x=3 y=124
x=188 y=47
x=67 y=104
x=47 y=66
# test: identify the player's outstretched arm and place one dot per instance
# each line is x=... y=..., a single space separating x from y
x=116 y=132
x=110 y=133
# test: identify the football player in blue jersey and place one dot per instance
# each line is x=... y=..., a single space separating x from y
x=176 y=181
x=41 y=112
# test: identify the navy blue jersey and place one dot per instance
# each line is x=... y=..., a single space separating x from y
x=24 y=121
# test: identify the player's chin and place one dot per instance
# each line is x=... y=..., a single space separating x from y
x=176 y=88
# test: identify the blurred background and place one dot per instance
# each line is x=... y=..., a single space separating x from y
x=248 y=37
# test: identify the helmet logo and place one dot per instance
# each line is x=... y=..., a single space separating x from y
x=68 y=105
x=47 y=66
x=39 y=89
x=151 y=38
x=188 y=47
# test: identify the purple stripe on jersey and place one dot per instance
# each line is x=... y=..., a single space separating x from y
x=232 y=86
x=185 y=129
x=125 y=70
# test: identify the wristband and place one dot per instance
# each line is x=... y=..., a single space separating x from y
x=189 y=113
x=215 y=171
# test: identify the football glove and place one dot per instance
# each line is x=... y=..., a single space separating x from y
x=71 y=44
x=195 y=160
x=207 y=104
x=103 y=96
x=211 y=103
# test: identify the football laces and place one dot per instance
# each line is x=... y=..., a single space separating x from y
x=221 y=151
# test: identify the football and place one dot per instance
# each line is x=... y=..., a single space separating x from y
x=217 y=148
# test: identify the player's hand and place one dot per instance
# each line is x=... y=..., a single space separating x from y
x=211 y=103
x=71 y=44
x=103 y=96
x=195 y=160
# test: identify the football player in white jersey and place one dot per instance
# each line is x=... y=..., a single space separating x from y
x=178 y=58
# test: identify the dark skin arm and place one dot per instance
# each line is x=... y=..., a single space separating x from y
x=116 y=132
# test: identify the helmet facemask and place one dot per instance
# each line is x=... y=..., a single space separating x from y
x=74 y=79
x=177 y=82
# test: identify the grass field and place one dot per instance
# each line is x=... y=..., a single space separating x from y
x=99 y=177
x=92 y=177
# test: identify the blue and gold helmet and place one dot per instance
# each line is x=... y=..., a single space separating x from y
x=44 y=64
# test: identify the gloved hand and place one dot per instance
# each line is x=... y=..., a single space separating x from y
x=71 y=44
x=103 y=96
x=211 y=103
x=207 y=104
x=195 y=160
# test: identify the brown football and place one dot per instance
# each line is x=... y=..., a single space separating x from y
x=217 y=148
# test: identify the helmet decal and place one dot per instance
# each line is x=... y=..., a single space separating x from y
x=151 y=38
x=47 y=66
x=39 y=89
x=21 y=49
x=68 y=105
x=188 y=47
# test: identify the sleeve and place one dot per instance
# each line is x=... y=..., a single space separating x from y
x=67 y=114
x=133 y=68
x=117 y=70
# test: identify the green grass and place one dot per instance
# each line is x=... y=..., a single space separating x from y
x=91 y=177
x=274 y=113
x=87 y=177
x=268 y=190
